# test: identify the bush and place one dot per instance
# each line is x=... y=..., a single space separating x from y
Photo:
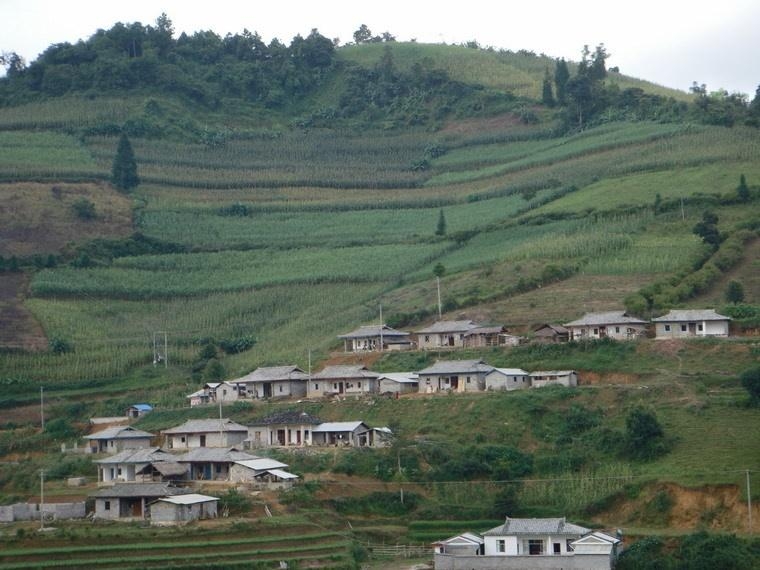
x=58 y=345
x=234 y=503
x=644 y=436
x=750 y=380
x=84 y=209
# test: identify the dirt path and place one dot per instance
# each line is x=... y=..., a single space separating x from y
x=18 y=327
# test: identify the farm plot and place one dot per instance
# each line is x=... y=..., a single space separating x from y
x=25 y=155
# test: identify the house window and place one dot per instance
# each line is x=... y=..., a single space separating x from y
x=501 y=546
x=617 y=330
x=596 y=331
x=316 y=386
x=280 y=387
x=468 y=379
x=335 y=385
x=359 y=385
x=107 y=505
x=557 y=548
x=218 y=467
x=700 y=327
x=667 y=328
x=683 y=328
x=535 y=547
x=427 y=338
x=182 y=439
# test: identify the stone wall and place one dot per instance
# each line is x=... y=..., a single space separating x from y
x=31 y=511
x=574 y=562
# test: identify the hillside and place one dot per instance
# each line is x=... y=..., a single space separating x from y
x=289 y=192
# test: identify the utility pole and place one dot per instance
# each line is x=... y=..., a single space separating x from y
x=42 y=499
x=381 y=328
x=42 y=408
x=160 y=354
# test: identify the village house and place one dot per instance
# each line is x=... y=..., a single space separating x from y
x=118 y=438
x=397 y=382
x=273 y=382
x=282 y=429
x=211 y=392
x=550 y=334
x=182 y=509
x=371 y=338
x=221 y=432
x=506 y=379
x=617 y=325
x=138 y=410
x=484 y=337
x=541 y=378
x=454 y=375
x=444 y=334
x=348 y=434
x=685 y=323
x=130 y=501
x=262 y=472
x=528 y=544
x=343 y=380
x=130 y=465
x=212 y=464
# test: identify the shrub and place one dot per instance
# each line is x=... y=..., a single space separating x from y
x=750 y=380
x=234 y=503
x=58 y=345
x=644 y=436
x=84 y=209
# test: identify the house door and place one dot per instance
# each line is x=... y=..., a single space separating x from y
x=341 y=388
x=136 y=508
x=268 y=390
x=450 y=341
x=281 y=436
x=692 y=329
x=454 y=382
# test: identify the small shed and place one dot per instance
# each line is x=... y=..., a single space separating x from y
x=182 y=509
x=136 y=410
x=506 y=379
x=549 y=333
x=541 y=378
x=397 y=382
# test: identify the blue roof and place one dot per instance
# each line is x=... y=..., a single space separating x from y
x=142 y=407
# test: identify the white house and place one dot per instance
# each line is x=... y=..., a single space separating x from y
x=617 y=325
x=263 y=472
x=273 y=382
x=541 y=378
x=221 y=432
x=289 y=428
x=506 y=379
x=211 y=392
x=181 y=509
x=130 y=501
x=212 y=464
x=130 y=465
x=343 y=380
x=527 y=544
x=687 y=323
x=444 y=334
x=117 y=439
x=454 y=376
x=375 y=338
x=349 y=434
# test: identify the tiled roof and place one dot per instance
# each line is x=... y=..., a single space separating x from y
x=558 y=526
x=559 y=329
x=290 y=417
x=120 y=432
x=338 y=426
x=139 y=490
x=511 y=371
x=449 y=327
x=214 y=454
x=373 y=331
x=344 y=371
x=400 y=377
x=271 y=374
x=206 y=426
x=686 y=315
x=457 y=367
x=143 y=455
x=606 y=318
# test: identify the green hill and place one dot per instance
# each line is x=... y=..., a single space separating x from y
x=287 y=192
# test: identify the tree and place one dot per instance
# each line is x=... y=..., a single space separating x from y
x=707 y=229
x=750 y=380
x=742 y=191
x=84 y=209
x=561 y=77
x=547 y=94
x=440 y=229
x=362 y=35
x=644 y=436
x=439 y=269
x=124 y=169
x=734 y=292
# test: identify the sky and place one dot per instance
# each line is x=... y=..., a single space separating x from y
x=670 y=42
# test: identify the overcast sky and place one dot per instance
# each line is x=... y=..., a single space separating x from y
x=670 y=42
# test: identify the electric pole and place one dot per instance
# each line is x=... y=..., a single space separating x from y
x=160 y=353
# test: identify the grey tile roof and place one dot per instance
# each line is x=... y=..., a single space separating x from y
x=272 y=374
x=605 y=318
x=290 y=417
x=120 y=432
x=448 y=327
x=143 y=455
x=559 y=329
x=338 y=427
x=373 y=331
x=511 y=371
x=344 y=371
x=686 y=315
x=206 y=426
x=558 y=526
x=139 y=490
x=169 y=468
x=485 y=330
x=400 y=377
x=215 y=455
x=457 y=367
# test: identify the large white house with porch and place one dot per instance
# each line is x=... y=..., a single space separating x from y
x=221 y=432
x=371 y=338
x=273 y=382
x=454 y=376
x=685 y=323
x=343 y=380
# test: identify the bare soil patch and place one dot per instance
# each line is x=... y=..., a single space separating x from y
x=18 y=326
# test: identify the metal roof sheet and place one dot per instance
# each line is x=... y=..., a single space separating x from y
x=344 y=371
x=261 y=463
x=338 y=426
x=189 y=499
x=449 y=327
x=120 y=432
x=457 y=367
x=372 y=331
x=282 y=474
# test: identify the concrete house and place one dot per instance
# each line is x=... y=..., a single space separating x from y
x=371 y=338
x=688 y=323
x=541 y=378
x=130 y=465
x=454 y=375
x=528 y=544
x=550 y=334
x=273 y=382
x=262 y=472
x=506 y=379
x=205 y=433
x=212 y=464
x=484 y=337
x=290 y=428
x=617 y=325
x=348 y=434
x=118 y=438
x=343 y=380
x=444 y=334
x=182 y=509
x=397 y=382
x=138 y=410
x=130 y=501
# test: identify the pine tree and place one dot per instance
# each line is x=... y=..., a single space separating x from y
x=742 y=191
x=561 y=77
x=547 y=96
x=440 y=230
x=124 y=169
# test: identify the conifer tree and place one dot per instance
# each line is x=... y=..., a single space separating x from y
x=124 y=169
x=561 y=77
x=440 y=229
x=547 y=95
x=742 y=191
